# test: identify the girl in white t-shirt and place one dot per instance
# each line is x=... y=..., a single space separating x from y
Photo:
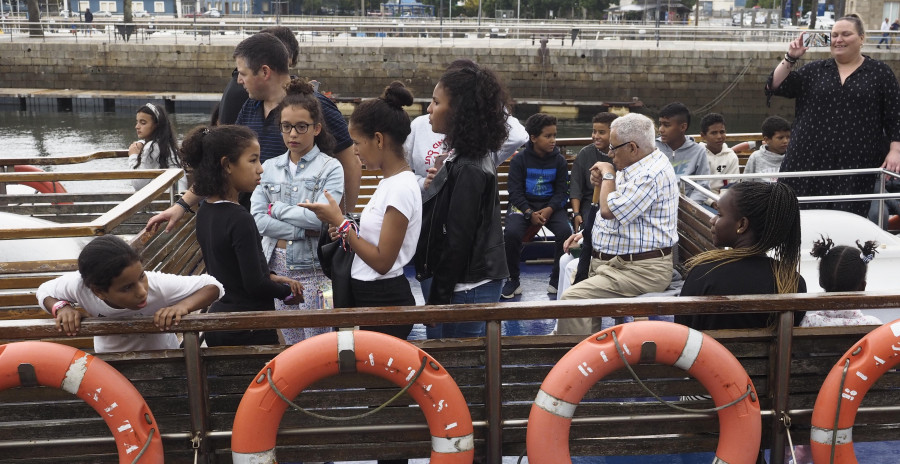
x=111 y=282
x=156 y=147
x=391 y=221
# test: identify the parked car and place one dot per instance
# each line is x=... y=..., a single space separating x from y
x=140 y=14
x=20 y=7
x=825 y=22
x=212 y=13
x=102 y=14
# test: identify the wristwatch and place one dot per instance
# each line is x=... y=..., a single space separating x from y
x=609 y=176
x=528 y=212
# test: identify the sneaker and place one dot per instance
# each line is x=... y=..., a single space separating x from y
x=511 y=288
x=551 y=289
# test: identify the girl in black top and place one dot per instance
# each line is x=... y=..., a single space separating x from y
x=754 y=218
x=225 y=161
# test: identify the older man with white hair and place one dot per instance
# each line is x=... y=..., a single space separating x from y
x=636 y=227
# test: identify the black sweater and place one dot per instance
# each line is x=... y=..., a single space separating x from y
x=231 y=249
x=748 y=276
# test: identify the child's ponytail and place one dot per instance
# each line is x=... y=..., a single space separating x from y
x=843 y=268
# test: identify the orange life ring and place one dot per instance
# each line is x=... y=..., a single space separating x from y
x=97 y=383
x=260 y=411
x=866 y=361
x=740 y=425
x=43 y=187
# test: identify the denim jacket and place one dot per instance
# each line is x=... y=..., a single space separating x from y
x=316 y=172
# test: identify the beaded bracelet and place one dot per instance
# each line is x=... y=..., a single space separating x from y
x=269 y=210
x=344 y=229
x=57 y=306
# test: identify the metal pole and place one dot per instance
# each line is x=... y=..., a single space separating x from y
x=657 y=23
x=492 y=385
x=881 y=202
x=479 y=14
x=518 y=17
x=781 y=380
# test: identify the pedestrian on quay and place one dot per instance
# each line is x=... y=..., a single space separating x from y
x=88 y=19
x=846 y=116
x=225 y=161
x=885 y=28
x=290 y=233
x=461 y=244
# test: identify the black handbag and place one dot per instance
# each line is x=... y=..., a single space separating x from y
x=336 y=263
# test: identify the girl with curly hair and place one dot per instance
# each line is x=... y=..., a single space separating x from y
x=461 y=245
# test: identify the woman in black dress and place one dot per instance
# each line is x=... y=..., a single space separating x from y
x=847 y=116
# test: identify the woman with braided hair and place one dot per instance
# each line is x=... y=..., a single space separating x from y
x=755 y=219
x=841 y=269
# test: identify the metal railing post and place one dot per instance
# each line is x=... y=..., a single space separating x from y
x=198 y=397
x=781 y=379
x=881 y=201
x=492 y=384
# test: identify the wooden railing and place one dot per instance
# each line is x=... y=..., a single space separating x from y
x=194 y=392
x=163 y=180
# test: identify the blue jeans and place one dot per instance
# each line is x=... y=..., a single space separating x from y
x=485 y=293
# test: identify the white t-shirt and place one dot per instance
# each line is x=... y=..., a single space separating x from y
x=423 y=145
x=164 y=290
x=149 y=158
x=402 y=192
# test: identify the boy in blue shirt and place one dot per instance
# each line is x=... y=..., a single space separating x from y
x=538 y=193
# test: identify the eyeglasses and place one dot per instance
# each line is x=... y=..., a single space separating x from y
x=614 y=148
x=301 y=127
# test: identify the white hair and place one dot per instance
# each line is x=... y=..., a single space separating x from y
x=636 y=128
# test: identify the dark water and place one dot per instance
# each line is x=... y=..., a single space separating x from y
x=37 y=133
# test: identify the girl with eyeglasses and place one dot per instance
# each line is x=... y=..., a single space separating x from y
x=156 y=147
x=290 y=233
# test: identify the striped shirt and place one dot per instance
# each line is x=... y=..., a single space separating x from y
x=271 y=143
x=645 y=206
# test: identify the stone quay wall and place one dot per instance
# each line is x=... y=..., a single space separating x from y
x=700 y=79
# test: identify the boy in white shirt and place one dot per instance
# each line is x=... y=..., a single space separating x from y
x=722 y=160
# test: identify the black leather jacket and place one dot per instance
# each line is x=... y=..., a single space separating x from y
x=461 y=239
